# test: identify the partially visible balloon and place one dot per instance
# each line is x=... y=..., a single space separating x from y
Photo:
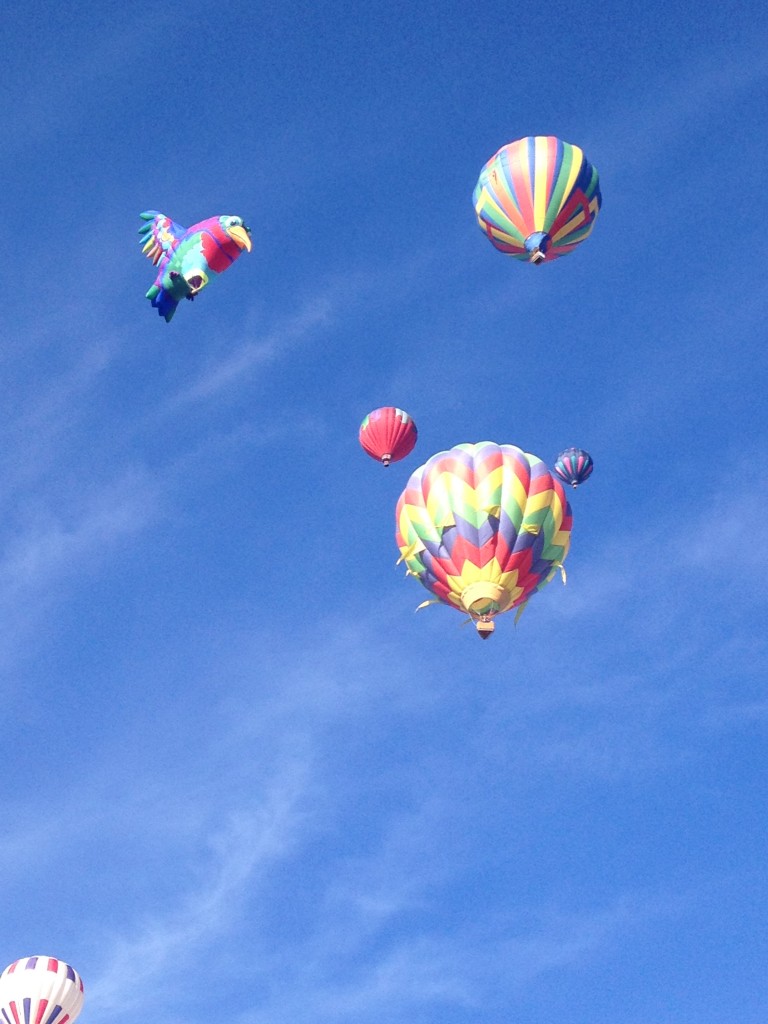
x=40 y=990
x=574 y=465
x=388 y=434
x=483 y=527
x=537 y=198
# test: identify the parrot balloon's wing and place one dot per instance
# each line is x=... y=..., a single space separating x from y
x=40 y=989
x=161 y=237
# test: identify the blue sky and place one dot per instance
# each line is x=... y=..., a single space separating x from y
x=240 y=774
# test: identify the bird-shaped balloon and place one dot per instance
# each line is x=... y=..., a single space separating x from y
x=187 y=258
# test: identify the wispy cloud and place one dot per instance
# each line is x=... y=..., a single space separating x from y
x=238 y=366
x=479 y=968
x=47 y=549
x=157 y=953
x=367 y=937
x=65 y=539
x=81 y=67
x=677 y=96
x=45 y=416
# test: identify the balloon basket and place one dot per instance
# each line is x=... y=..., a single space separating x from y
x=484 y=628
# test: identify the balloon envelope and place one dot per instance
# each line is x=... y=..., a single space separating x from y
x=537 y=198
x=40 y=990
x=574 y=465
x=388 y=434
x=483 y=527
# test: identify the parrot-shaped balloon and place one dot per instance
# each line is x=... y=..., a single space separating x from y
x=187 y=258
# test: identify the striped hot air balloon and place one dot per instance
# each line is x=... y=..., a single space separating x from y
x=388 y=434
x=40 y=990
x=537 y=198
x=574 y=466
x=483 y=527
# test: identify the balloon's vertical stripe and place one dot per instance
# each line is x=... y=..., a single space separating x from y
x=540 y=177
x=554 y=163
x=520 y=175
x=559 y=194
x=577 y=163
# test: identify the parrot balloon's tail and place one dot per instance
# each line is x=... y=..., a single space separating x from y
x=162 y=301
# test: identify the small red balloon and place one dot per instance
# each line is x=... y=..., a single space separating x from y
x=388 y=434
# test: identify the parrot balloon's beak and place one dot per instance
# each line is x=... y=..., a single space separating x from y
x=241 y=236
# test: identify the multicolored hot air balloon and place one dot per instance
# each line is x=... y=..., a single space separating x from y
x=388 y=434
x=537 y=198
x=573 y=466
x=40 y=990
x=483 y=527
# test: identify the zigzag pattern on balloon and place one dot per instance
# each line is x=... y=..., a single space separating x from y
x=537 y=194
x=483 y=512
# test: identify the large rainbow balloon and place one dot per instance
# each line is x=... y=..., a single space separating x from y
x=537 y=198
x=483 y=527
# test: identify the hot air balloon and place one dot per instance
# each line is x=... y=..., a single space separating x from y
x=483 y=527
x=40 y=990
x=537 y=198
x=388 y=434
x=574 y=465
x=188 y=258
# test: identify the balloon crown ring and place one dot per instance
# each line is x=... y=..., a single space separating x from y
x=485 y=593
